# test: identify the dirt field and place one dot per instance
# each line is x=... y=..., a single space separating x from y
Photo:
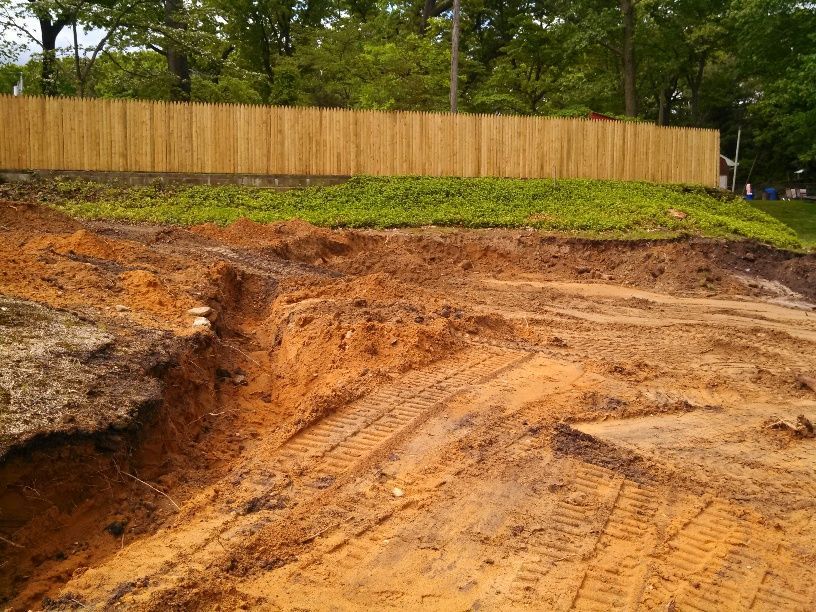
x=436 y=419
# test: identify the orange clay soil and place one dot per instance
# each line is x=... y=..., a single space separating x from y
x=437 y=419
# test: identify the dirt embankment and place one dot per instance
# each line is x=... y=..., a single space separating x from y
x=350 y=384
x=113 y=396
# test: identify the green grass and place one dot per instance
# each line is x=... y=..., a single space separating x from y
x=799 y=216
x=607 y=209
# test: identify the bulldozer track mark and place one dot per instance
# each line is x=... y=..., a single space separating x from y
x=709 y=546
x=734 y=582
x=773 y=594
x=570 y=531
x=616 y=571
x=342 y=439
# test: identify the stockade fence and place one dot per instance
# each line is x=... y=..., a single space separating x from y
x=40 y=133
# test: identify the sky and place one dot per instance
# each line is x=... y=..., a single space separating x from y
x=65 y=38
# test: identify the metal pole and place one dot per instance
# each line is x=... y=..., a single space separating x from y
x=454 y=75
x=736 y=162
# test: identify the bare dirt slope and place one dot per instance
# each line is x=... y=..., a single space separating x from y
x=425 y=419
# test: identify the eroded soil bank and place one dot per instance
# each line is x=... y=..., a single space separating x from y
x=436 y=418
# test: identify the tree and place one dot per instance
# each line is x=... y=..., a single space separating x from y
x=175 y=20
x=52 y=17
x=107 y=17
x=454 y=72
x=432 y=8
x=614 y=28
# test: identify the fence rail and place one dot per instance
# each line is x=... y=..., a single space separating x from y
x=39 y=133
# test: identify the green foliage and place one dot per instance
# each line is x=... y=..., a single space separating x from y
x=9 y=75
x=787 y=109
x=132 y=75
x=226 y=89
x=594 y=208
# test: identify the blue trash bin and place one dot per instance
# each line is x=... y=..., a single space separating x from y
x=771 y=193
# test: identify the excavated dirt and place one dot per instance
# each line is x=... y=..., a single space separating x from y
x=434 y=418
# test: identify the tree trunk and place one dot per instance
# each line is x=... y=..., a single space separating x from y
x=431 y=8
x=695 y=84
x=662 y=108
x=454 y=73
x=628 y=57
x=49 y=30
x=177 y=62
x=665 y=99
x=424 y=15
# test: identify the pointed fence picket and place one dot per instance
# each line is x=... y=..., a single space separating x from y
x=39 y=133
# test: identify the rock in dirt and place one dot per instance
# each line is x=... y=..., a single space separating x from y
x=116 y=528
x=397 y=492
x=121 y=308
x=803 y=428
x=807 y=381
x=267 y=501
x=201 y=322
x=239 y=380
x=200 y=311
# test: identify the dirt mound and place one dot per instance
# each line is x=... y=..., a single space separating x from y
x=81 y=269
x=24 y=218
x=569 y=441
x=84 y=243
x=351 y=335
x=296 y=240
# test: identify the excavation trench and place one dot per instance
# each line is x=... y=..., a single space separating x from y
x=75 y=494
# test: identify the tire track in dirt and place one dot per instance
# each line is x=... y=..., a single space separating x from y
x=573 y=526
x=377 y=534
x=617 y=568
x=776 y=593
x=723 y=556
x=700 y=549
x=340 y=440
x=348 y=549
x=331 y=448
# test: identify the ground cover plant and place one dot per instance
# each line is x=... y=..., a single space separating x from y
x=613 y=209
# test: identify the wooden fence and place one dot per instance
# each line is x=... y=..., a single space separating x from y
x=38 y=133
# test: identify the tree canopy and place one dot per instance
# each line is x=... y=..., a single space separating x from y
x=724 y=64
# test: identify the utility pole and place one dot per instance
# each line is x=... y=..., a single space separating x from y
x=18 y=87
x=736 y=162
x=454 y=75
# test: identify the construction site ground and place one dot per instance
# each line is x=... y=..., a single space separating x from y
x=424 y=418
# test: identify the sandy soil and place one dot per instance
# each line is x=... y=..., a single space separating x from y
x=435 y=419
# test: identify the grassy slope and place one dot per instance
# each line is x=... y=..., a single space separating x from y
x=799 y=216
x=593 y=208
